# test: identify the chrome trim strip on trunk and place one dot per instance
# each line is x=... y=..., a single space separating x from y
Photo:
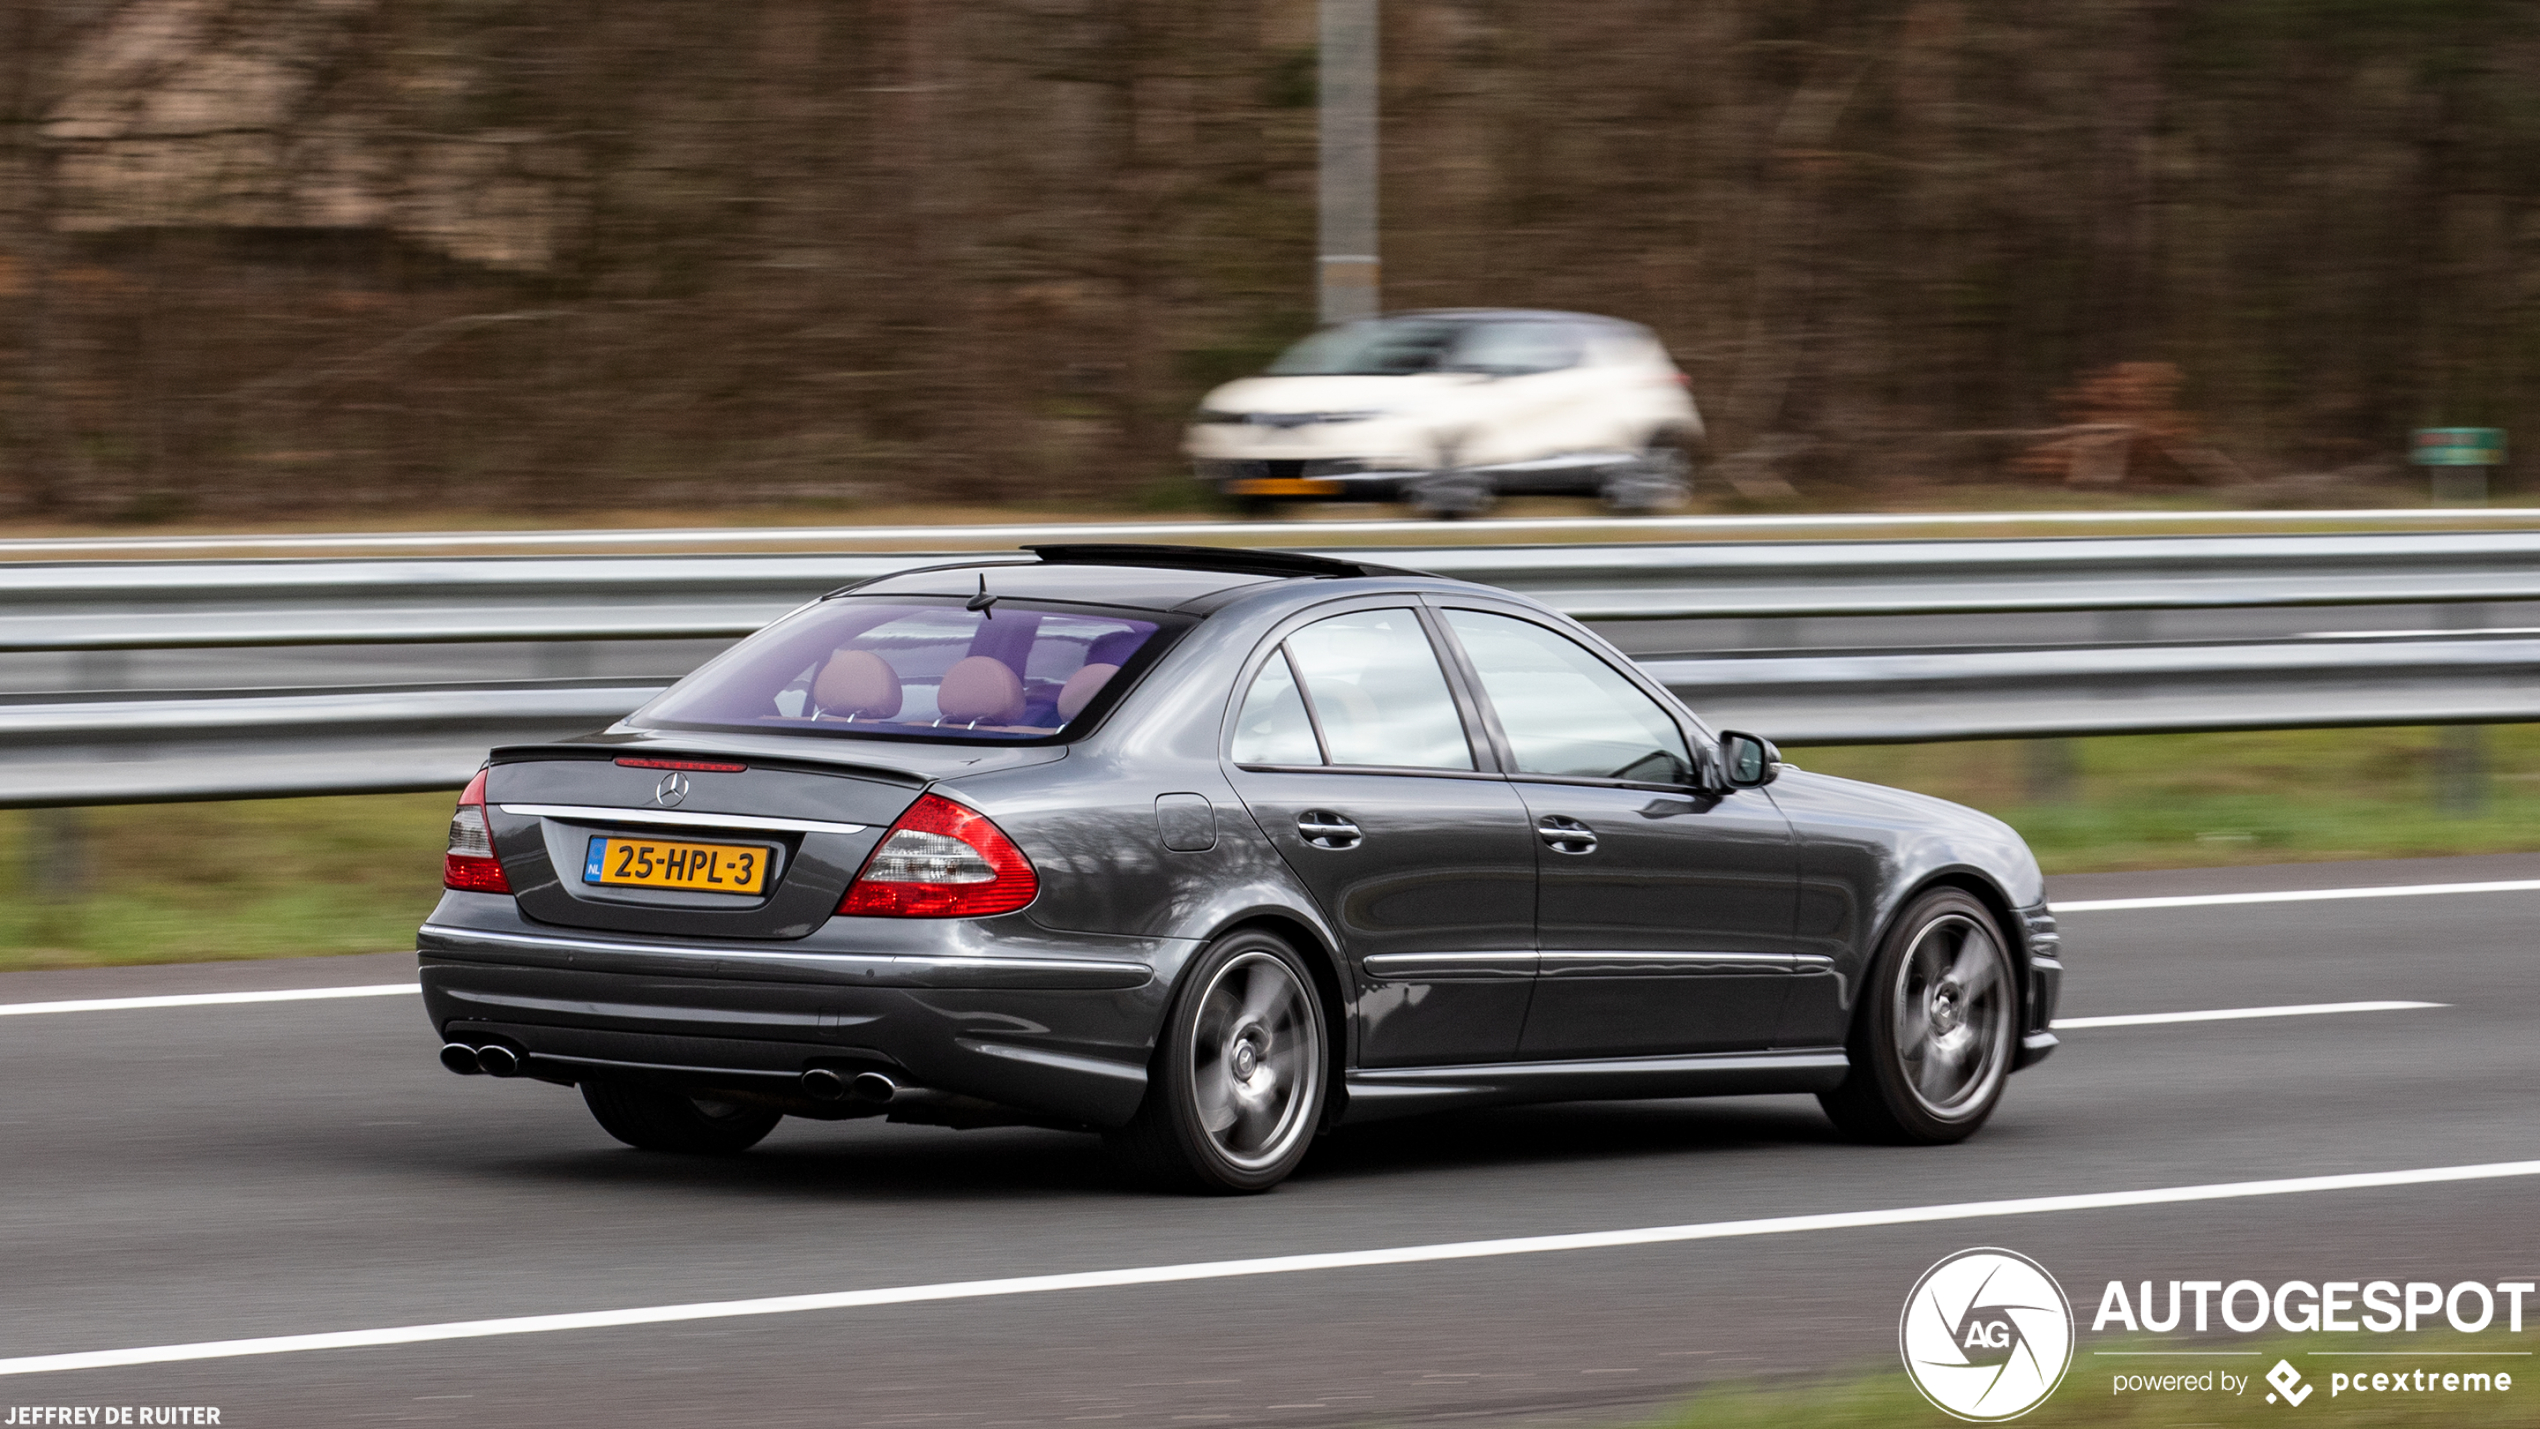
x=851 y=969
x=684 y=819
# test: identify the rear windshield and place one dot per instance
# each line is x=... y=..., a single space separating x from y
x=914 y=668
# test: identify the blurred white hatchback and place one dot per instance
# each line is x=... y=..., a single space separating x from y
x=1453 y=408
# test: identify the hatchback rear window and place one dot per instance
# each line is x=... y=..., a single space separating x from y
x=918 y=668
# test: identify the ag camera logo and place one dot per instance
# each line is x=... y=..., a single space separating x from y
x=1987 y=1334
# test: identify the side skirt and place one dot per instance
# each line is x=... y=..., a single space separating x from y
x=1378 y=1093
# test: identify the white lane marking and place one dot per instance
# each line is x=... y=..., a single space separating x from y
x=1237 y=1269
x=2299 y=895
x=2234 y=1014
x=205 y=999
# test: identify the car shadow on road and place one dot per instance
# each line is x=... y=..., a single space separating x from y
x=1568 y=1132
x=814 y=1162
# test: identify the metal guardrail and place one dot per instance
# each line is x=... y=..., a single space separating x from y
x=147 y=746
x=138 y=605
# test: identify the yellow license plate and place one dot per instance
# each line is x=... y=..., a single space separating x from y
x=662 y=863
x=1283 y=486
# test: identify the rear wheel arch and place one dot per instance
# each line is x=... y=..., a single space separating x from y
x=1331 y=983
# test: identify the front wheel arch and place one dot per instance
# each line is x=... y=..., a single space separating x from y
x=1996 y=903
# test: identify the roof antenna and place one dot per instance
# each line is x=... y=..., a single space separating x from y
x=983 y=601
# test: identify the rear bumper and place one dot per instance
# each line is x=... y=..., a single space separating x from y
x=1011 y=1016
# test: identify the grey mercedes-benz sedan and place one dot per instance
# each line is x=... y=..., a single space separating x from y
x=1208 y=851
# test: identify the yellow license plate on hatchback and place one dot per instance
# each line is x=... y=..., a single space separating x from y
x=665 y=863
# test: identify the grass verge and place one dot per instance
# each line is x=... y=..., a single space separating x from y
x=1884 y=1399
x=294 y=877
x=2208 y=800
x=159 y=883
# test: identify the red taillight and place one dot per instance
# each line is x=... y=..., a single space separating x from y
x=471 y=865
x=942 y=860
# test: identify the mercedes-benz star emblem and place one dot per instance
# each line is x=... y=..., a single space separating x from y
x=672 y=791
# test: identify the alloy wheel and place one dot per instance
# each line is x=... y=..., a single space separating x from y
x=1256 y=1060
x=1953 y=1012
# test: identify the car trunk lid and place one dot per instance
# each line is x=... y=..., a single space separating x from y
x=687 y=842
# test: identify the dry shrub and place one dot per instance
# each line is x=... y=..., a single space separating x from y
x=2120 y=422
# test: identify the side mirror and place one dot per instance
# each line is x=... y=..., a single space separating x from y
x=1748 y=760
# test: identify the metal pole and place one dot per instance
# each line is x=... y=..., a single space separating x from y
x=1347 y=261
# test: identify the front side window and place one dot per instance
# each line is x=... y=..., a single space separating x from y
x=1515 y=349
x=1375 y=347
x=1566 y=712
x=911 y=668
x=1375 y=693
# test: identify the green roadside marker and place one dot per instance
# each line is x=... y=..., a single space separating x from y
x=2458 y=446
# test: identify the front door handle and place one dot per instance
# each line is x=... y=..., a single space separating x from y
x=1565 y=835
x=1325 y=829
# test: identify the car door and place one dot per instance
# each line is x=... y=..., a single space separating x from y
x=1537 y=401
x=1664 y=910
x=1353 y=753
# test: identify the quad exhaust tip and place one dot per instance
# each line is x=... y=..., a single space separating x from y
x=461 y=1058
x=828 y=1085
x=498 y=1060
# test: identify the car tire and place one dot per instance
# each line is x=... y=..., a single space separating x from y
x=1661 y=480
x=1452 y=496
x=652 y=1120
x=1936 y=1030
x=1236 y=1090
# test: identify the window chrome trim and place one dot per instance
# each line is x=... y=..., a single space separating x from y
x=680 y=819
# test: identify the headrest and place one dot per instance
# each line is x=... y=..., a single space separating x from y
x=1080 y=689
x=1114 y=647
x=980 y=690
x=857 y=683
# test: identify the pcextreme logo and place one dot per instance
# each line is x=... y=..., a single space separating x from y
x=1986 y=1335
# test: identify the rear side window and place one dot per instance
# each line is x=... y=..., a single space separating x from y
x=1371 y=687
x=1273 y=727
x=928 y=669
x=1566 y=712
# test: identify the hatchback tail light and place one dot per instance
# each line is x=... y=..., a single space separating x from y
x=941 y=860
x=471 y=864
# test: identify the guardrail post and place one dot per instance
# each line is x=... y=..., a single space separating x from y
x=53 y=859
x=2054 y=771
x=2460 y=750
x=2460 y=770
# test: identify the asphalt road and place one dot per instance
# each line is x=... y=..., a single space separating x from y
x=199 y=1173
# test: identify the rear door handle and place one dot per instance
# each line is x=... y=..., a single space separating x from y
x=1565 y=835
x=1325 y=829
